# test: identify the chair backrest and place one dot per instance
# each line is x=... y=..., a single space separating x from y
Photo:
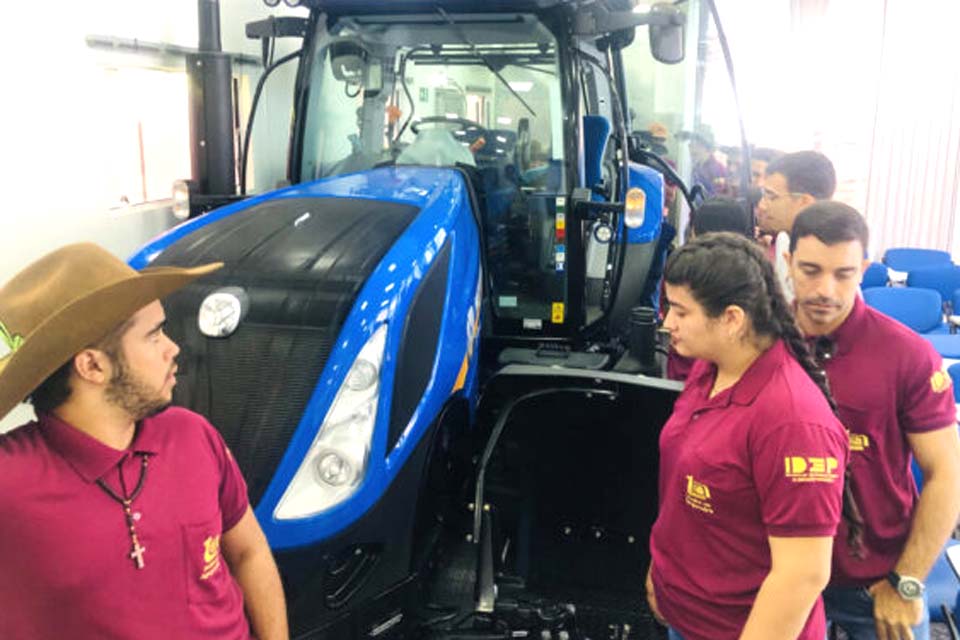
x=874 y=276
x=904 y=259
x=919 y=309
x=943 y=278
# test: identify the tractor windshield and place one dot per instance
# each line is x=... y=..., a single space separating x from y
x=481 y=92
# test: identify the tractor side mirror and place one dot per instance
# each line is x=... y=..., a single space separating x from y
x=353 y=64
x=348 y=60
x=666 y=24
x=667 y=41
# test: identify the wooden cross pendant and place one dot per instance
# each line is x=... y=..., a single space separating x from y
x=137 y=554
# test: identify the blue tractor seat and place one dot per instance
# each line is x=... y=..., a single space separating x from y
x=919 y=309
x=906 y=259
x=596 y=132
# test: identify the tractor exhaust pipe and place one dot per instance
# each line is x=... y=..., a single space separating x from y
x=209 y=73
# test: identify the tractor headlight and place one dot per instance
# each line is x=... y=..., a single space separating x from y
x=336 y=462
x=636 y=203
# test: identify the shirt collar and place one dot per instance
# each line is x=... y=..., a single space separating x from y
x=755 y=378
x=758 y=374
x=849 y=330
x=88 y=456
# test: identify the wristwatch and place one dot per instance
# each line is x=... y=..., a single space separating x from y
x=907 y=587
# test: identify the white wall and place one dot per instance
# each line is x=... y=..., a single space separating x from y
x=54 y=169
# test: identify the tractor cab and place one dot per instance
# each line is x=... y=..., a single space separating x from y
x=520 y=98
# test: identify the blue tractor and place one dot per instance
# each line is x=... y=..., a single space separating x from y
x=424 y=353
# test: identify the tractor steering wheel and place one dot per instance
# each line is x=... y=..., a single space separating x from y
x=463 y=123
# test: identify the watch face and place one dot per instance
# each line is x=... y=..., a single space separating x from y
x=910 y=589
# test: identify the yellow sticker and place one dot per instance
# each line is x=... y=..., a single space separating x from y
x=940 y=381
x=557 y=316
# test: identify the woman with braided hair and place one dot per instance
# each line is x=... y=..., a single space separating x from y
x=752 y=459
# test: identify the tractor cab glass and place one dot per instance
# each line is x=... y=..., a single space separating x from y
x=477 y=92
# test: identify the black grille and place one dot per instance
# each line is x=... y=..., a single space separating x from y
x=257 y=385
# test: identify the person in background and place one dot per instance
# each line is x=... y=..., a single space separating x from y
x=896 y=401
x=760 y=159
x=791 y=183
x=122 y=518
x=752 y=458
x=708 y=172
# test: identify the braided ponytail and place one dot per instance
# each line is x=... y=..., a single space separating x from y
x=723 y=269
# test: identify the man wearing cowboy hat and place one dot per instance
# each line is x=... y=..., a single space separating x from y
x=120 y=518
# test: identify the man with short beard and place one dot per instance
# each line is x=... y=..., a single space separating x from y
x=896 y=402
x=121 y=517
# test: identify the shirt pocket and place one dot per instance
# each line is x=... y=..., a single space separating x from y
x=717 y=487
x=207 y=576
x=861 y=426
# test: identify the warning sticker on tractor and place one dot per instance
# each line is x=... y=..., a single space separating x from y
x=556 y=317
x=508 y=301
x=533 y=324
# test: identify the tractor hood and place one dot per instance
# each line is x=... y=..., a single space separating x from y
x=300 y=263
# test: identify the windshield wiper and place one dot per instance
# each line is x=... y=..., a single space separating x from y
x=463 y=37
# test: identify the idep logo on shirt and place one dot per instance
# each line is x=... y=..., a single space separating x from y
x=811 y=468
x=859 y=442
x=698 y=495
x=211 y=556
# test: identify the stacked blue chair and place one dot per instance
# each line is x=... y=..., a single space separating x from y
x=943 y=278
x=903 y=259
x=919 y=309
x=874 y=276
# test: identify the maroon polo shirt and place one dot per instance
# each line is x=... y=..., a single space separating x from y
x=65 y=569
x=888 y=382
x=762 y=458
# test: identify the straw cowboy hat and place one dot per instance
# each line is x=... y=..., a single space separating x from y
x=67 y=301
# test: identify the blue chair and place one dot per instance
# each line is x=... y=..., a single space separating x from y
x=943 y=587
x=903 y=259
x=875 y=276
x=919 y=309
x=946 y=344
x=943 y=278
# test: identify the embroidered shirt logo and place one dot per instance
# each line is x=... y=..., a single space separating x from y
x=811 y=469
x=9 y=342
x=940 y=381
x=859 y=442
x=211 y=556
x=698 y=495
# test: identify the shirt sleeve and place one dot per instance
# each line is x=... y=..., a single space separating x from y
x=926 y=393
x=233 y=489
x=798 y=470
